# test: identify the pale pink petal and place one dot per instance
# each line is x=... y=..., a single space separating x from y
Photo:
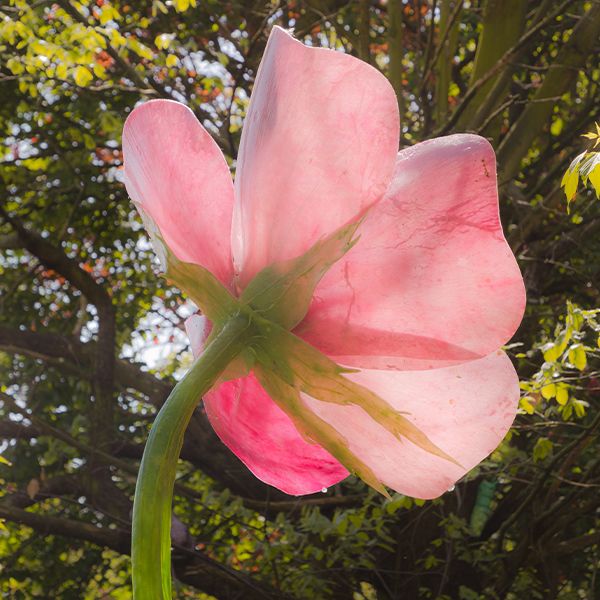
x=175 y=171
x=465 y=410
x=262 y=436
x=197 y=327
x=318 y=146
x=432 y=281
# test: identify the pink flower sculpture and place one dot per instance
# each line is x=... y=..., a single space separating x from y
x=419 y=306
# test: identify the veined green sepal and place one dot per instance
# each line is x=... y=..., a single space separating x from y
x=282 y=292
x=303 y=367
x=314 y=429
x=274 y=301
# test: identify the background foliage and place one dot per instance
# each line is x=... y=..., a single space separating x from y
x=91 y=339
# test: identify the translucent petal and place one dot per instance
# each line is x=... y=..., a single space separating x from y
x=260 y=434
x=175 y=171
x=465 y=410
x=318 y=146
x=264 y=438
x=431 y=281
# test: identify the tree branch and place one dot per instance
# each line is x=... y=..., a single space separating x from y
x=117 y=539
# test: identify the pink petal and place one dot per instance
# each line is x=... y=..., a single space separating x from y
x=432 y=281
x=465 y=410
x=198 y=328
x=262 y=436
x=318 y=147
x=176 y=172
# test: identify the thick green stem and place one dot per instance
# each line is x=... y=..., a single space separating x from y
x=151 y=531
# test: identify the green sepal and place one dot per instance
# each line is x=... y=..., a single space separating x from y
x=200 y=285
x=207 y=292
x=275 y=301
x=282 y=292
x=314 y=429
x=303 y=367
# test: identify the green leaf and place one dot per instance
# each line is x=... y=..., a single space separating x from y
x=163 y=41
x=282 y=292
x=579 y=407
x=183 y=5
x=15 y=66
x=543 y=447
x=557 y=126
x=594 y=177
x=570 y=179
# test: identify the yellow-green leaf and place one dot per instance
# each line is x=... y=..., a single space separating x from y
x=82 y=76
x=15 y=65
x=570 y=181
x=526 y=404
x=543 y=447
x=579 y=407
x=163 y=41
x=557 y=126
x=549 y=391
x=594 y=178
x=577 y=357
x=61 y=71
x=181 y=5
x=594 y=135
x=562 y=393
x=140 y=49
x=109 y=13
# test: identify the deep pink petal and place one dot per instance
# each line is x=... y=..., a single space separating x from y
x=260 y=434
x=176 y=172
x=318 y=146
x=465 y=410
x=431 y=281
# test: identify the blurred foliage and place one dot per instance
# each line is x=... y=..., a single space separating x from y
x=523 y=524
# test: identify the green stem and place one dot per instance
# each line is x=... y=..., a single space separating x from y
x=151 y=530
